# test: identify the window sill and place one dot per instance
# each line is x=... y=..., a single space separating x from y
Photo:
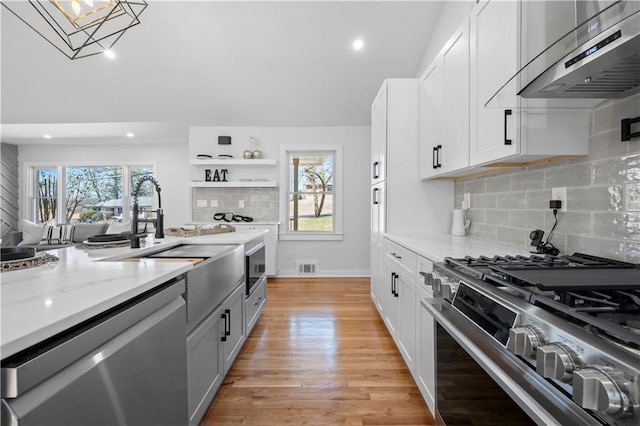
x=300 y=236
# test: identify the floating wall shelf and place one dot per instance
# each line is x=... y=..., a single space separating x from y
x=232 y=162
x=236 y=184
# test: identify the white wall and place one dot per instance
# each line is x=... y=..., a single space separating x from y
x=337 y=258
x=452 y=15
x=172 y=171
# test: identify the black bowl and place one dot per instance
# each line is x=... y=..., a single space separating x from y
x=17 y=253
x=108 y=238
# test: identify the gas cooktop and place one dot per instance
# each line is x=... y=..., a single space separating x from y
x=600 y=293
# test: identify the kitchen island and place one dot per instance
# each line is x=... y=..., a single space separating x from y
x=124 y=335
x=39 y=302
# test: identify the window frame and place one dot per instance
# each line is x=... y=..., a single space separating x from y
x=29 y=184
x=307 y=150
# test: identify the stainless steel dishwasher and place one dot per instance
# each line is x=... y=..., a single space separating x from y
x=125 y=367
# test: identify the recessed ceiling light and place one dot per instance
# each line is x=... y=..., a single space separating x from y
x=47 y=136
x=130 y=135
x=109 y=54
x=358 y=44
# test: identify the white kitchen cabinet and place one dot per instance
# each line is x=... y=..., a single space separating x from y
x=516 y=133
x=444 y=116
x=425 y=369
x=390 y=302
x=406 y=289
x=399 y=302
x=400 y=201
x=376 y=281
x=270 y=242
x=211 y=349
x=379 y=136
x=378 y=225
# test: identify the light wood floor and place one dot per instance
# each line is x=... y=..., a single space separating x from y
x=319 y=355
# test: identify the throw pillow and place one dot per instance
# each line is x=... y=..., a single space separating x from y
x=33 y=233
x=119 y=228
x=59 y=234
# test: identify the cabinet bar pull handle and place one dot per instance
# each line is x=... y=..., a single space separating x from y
x=507 y=113
x=376 y=167
x=434 y=156
x=395 y=285
x=396 y=256
x=228 y=312
x=438 y=156
x=224 y=335
x=375 y=196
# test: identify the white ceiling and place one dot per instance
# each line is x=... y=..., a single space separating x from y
x=218 y=63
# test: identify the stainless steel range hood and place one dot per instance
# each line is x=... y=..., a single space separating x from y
x=599 y=59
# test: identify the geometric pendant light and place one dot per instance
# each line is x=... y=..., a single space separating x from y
x=79 y=28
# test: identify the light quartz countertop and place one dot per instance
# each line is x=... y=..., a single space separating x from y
x=39 y=302
x=436 y=247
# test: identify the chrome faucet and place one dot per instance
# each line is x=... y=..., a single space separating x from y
x=158 y=222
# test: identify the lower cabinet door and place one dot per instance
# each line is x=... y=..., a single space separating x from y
x=234 y=310
x=205 y=364
x=406 y=288
x=426 y=368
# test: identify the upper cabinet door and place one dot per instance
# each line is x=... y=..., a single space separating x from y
x=494 y=39
x=444 y=109
x=431 y=118
x=379 y=136
x=455 y=61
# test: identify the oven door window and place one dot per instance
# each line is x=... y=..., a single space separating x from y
x=256 y=267
x=465 y=393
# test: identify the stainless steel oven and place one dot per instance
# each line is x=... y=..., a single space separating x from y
x=543 y=339
x=255 y=264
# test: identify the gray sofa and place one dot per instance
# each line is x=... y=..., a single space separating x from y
x=79 y=233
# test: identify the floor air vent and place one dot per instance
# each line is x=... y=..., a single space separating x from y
x=307 y=267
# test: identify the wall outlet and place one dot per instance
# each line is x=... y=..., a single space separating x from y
x=560 y=193
x=466 y=202
x=201 y=203
x=214 y=203
x=241 y=204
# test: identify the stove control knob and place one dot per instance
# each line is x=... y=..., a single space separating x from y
x=428 y=279
x=556 y=361
x=525 y=340
x=598 y=389
x=449 y=290
x=436 y=283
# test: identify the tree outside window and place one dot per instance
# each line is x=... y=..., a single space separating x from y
x=89 y=194
x=46 y=194
x=311 y=197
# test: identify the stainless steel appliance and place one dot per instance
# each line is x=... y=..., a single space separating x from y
x=127 y=366
x=605 y=61
x=255 y=264
x=559 y=334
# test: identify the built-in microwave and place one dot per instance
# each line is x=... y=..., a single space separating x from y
x=255 y=264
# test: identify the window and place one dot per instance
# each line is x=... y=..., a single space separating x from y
x=88 y=194
x=310 y=192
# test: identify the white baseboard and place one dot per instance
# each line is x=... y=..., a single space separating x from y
x=292 y=273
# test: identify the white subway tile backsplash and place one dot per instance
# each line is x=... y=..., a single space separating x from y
x=259 y=203
x=603 y=191
x=527 y=180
